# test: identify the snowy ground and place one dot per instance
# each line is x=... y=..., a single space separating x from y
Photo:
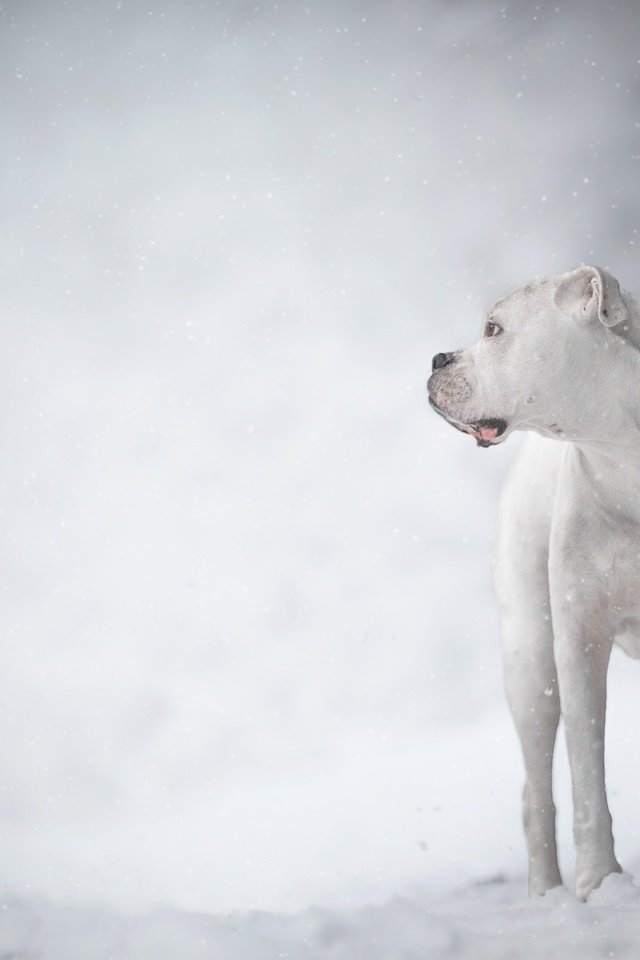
x=487 y=921
x=436 y=911
x=250 y=677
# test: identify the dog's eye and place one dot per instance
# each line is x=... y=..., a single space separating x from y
x=492 y=329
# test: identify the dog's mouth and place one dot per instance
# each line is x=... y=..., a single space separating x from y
x=488 y=431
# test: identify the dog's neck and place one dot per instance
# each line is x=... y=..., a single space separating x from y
x=609 y=477
x=615 y=447
x=629 y=329
x=625 y=431
x=615 y=444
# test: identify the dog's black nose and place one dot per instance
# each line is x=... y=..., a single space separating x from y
x=441 y=360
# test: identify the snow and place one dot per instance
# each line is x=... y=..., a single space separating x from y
x=488 y=921
x=445 y=878
x=250 y=697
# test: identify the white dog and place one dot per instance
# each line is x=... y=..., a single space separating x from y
x=560 y=358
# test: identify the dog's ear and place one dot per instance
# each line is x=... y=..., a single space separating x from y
x=590 y=292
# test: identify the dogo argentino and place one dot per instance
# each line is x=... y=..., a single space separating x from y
x=560 y=358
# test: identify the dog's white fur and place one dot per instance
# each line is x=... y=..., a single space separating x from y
x=563 y=362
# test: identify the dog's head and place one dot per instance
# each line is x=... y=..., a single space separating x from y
x=541 y=360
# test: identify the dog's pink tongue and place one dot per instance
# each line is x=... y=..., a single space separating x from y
x=488 y=433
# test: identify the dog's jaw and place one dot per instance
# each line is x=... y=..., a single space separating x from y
x=487 y=431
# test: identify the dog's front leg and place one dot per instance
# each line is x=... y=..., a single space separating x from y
x=582 y=650
x=530 y=679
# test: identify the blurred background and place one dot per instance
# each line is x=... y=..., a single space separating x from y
x=250 y=655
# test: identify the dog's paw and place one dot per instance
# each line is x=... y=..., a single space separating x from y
x=588 y=880
x=541 y=881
